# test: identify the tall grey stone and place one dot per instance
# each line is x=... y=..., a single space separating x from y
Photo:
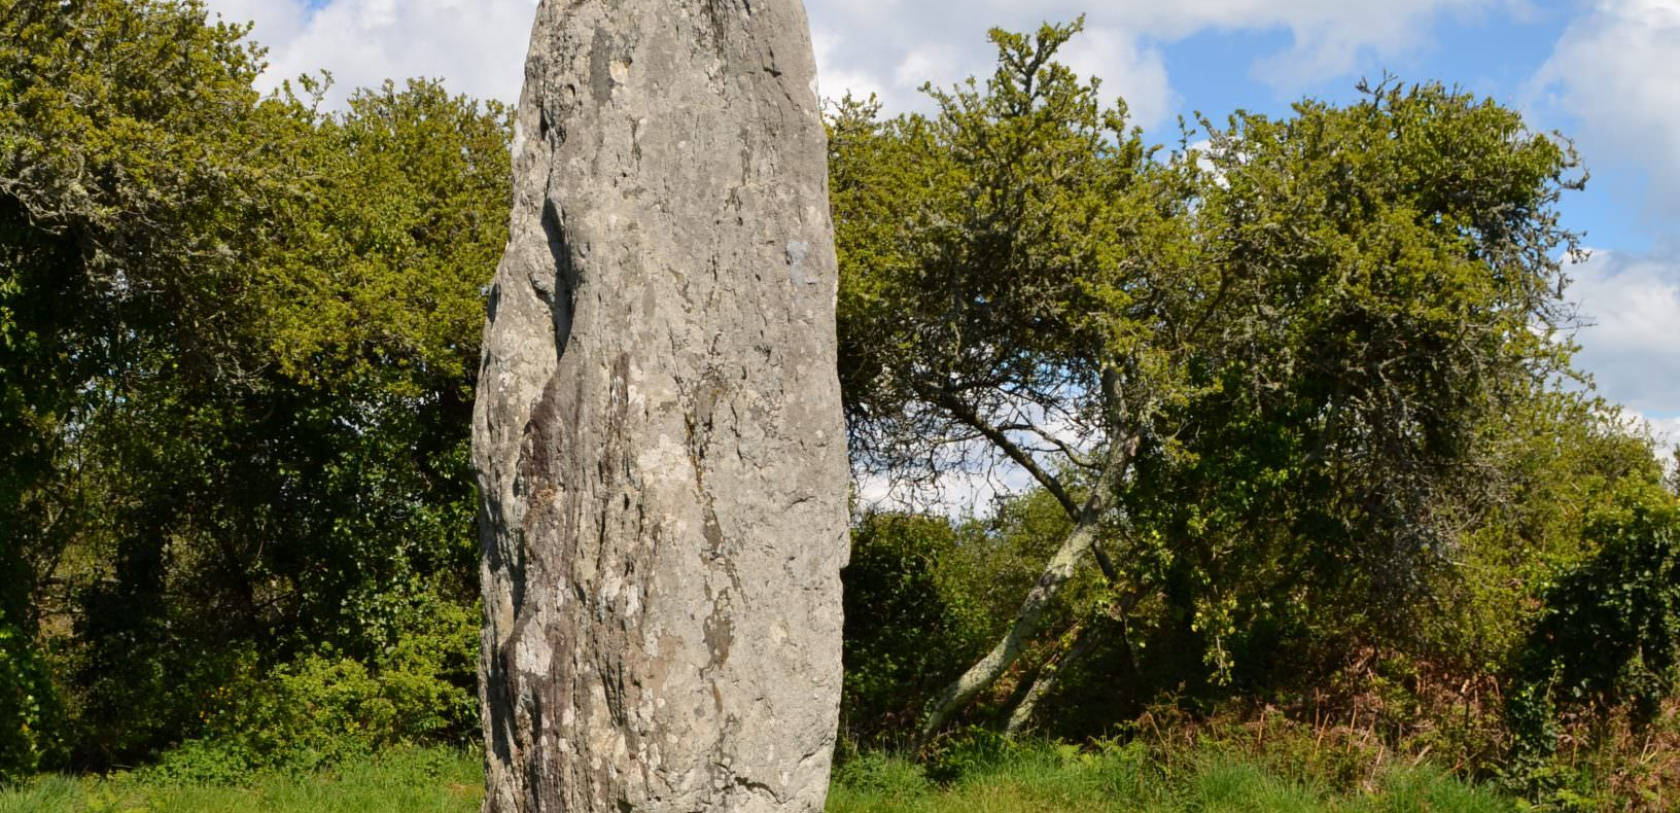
x=658 y=431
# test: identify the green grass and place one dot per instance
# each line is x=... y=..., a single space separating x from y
x=1123 y=780
x=1033 y=779
x=397 y=781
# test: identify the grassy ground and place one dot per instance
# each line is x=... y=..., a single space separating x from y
x=1124 y=780
x=421 y=781
x=1031 y=780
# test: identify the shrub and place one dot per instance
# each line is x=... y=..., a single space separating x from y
x=970 y=751
x=324 y=707
x=905 y=634
x=28 y=707
x=1608 y=643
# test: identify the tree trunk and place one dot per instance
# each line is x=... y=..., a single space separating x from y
x=1030 y=618
x=1085 y=640
x=658 y=430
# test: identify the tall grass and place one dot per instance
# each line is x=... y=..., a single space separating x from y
x=1042 y=778
x=1050 y=779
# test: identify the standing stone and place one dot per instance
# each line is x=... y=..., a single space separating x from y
x=658 y=431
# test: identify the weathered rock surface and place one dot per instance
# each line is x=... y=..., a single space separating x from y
x=658 y=431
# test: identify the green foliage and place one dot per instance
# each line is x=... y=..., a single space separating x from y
x=29 y=716
x=968 y=751
x=1199 y=776
x=984 y=254
x=1365 y=476
x=238 y=338
x=323 y=707
x=1314 y=332
x=310 y=713
x=925 y=596
x=120 y=185
x=1564 y=459
x=1381 y=268
x=905 y=630
x=1612 y=627
x=1608 y=642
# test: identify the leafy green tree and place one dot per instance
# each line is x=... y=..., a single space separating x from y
x=321 y=497
x=1289 y=343
x=1393 y=272
x=238 y=338
x=121 y=186
x=984 y=295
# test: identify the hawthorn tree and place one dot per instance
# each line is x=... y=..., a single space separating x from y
x=1295 y=335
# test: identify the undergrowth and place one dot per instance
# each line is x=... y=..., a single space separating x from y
x=1264 y=763
x=1136 y=777
x=972 y=775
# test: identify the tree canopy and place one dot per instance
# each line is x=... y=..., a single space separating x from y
x=239 y=338
x=1301 y=336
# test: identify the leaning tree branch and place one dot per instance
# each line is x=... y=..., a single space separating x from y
x=1014 y=451
x=1066 y=448
x=1085 y=639
x=966 y=414
x=1029 y=619
x=1086 y=636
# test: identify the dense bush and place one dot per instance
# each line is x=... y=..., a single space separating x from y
x=904 y=632
x=238 y=336
x=1605 y=654
x=1611 y=631
x=324 y=706
x=925 y=595
x=29 y=725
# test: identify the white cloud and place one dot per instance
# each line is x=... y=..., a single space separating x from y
x=1665 y=430
x=886 y=47
x=1632 y=342
x=834 y=81
x=957 y=494
x=875 y=42
x=1614 y=70
x=276 y=20
x=477 y=46
x=1138 y=73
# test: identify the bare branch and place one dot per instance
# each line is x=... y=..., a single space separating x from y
x=964 y=413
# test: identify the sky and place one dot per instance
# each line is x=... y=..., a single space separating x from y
x=1605 y=73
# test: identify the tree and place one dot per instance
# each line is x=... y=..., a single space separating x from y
x=1291 y=337
x=119 y=126
x=950 y=295
x=317 y=491
x=237 y=340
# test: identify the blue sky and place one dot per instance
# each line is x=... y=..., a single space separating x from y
x=1496 y=55
x=1605 y=72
